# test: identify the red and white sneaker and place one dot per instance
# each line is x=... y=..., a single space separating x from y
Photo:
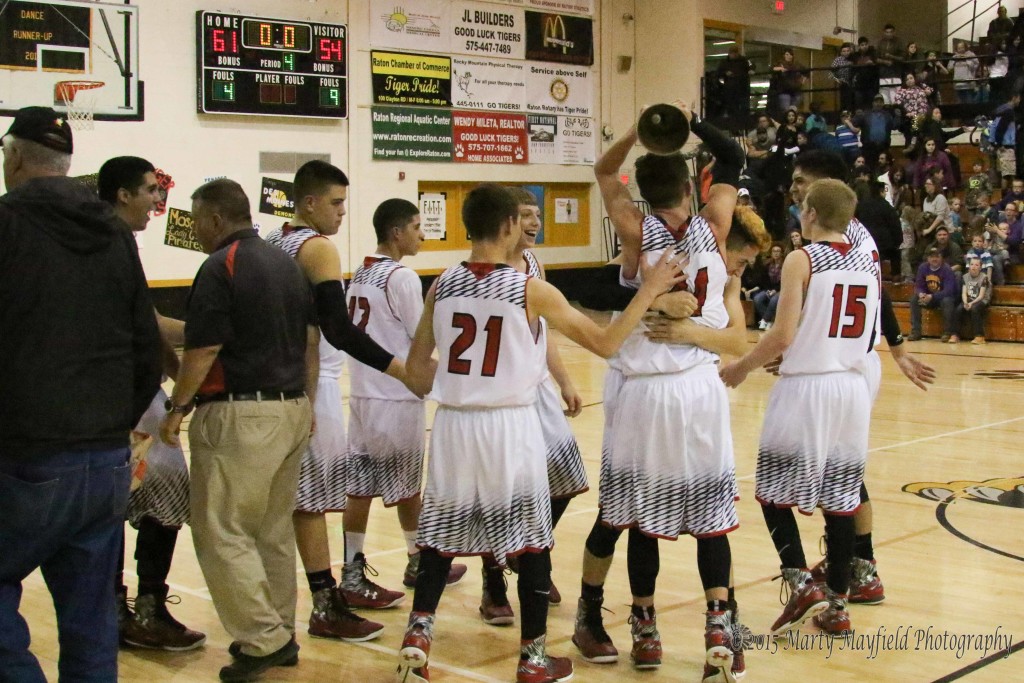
x=865 y=586
x=742 y=637
x=806 y=600
x=718 y=649
x=646 y=652
x=835 y=620
x=535 y=666
x=412 y=658
x=360 y=592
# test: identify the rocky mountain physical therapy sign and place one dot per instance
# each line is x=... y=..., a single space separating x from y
x=488 y=84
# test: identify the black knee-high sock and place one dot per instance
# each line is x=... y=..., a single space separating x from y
x=558 y=506
x=863 y=547
x=602 y=538
x=431 y=580
x=154 y=550
x=785 y=535
x=533 y=586
x=839 y=536
x=643 y=563
x=714 y=559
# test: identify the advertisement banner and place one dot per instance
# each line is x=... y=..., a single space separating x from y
x=489 y=138
x=434 y=215
x=488 y=84
x=573 y=6
x=411 y=134
x=411 y=79
x=179 y=231
x=543 y=133
x=564 y=90
x=277 y=198
x=559 y=38
x=488 y=30
x=420 y=25
x=561 y=139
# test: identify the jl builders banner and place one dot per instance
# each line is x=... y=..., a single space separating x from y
x=411 y=134
x=488 y=138
x=276 y=198
x=401 y=78
x=554 y=89
x=420 y=25
x=488 y=84
x=559 y=38
x=488 y=30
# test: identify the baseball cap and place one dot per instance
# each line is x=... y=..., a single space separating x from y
x=934 y=251
x=43 y=125
x=743 y=192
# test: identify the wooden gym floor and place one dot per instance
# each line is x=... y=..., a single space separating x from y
x=945 y=476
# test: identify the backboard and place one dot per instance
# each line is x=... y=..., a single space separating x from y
x=54 y=52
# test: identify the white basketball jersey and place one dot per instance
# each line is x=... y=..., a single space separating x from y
x=839 y=317
x=332 y=361
x=384 y=300
x=532 y=265
x=489 y=355
x=706 y=277
x=863 y=242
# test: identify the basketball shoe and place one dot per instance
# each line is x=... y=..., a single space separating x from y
x=331 y=618
x=865 y=586
x=412 y=658
x=806 y=600
x=646 y=652
x=495 y=609
x=835 y=620
x=589 y=636
x=719 y=651
x=535 y=666
x=360 y=592
x=412 y=568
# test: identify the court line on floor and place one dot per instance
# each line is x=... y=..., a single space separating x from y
x=980 y=664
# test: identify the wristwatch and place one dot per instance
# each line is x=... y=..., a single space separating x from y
x=170 y=407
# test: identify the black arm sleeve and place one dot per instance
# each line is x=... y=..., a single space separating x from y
x=728 y=155
x=890 y=326
x=338 y=329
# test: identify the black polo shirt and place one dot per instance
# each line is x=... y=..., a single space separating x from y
x=252 y=299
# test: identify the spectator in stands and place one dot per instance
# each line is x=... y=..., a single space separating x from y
x=903 y=192
x=884 y=170
x=913 y=98
x=986 y=210
x=743 y=197
x=881 y=220
x=978 y=251
x=932 y=159
x=859 y=164
x=759 y=143
x=934 y=287
x=975 y=294
x=964 y=65
x=842 y=74
x=977 y=185
x=790 y=78
x=890 y=53
x=908 y=247
x=931 y=74
x=865 y=74
x=1015 y=195
x=785 y=136
x=956 y=220
x=734 y=74
x=999 y=69
x=1015 y=232
x=796 y=240
x=932 y=127
x=766 y=300
x=875 y=128
x=815 y=122
x=1001 y=27
x=936 y=205
x=1016 y=55
x=952 y=254
x=995 y=243
x=912 y=59
x=750 y=280
x=1004 y=138
x=847 y=138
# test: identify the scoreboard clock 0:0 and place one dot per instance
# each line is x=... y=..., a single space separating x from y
x=272 y=67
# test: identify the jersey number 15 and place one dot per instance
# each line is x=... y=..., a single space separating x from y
x=855 y=296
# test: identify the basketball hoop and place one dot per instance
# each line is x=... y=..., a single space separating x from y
x=78 y=102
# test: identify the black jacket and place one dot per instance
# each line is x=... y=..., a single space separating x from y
x=79 y=345
x=882 y=221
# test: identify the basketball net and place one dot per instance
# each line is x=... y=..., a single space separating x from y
x=79 y=101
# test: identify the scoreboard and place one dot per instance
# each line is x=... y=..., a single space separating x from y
x=259 y=66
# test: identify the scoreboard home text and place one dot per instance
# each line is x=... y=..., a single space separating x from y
x=260 y=66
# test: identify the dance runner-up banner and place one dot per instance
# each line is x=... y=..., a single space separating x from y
x=488 y=30
x=402 y=78
x=555 y=89
x=419 y=25
x=559 y=38
x=488 y=84
x=489 y=138
x=411 y=134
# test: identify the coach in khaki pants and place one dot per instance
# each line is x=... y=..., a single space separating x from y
x=250 y=367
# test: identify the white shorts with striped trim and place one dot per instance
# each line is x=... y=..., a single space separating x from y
x=386 y=440
x=322 y=472
x=566 y=475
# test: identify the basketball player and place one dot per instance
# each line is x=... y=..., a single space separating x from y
x=566 y=476
x=159 y=507
x=320 y=193
x=668 y=468
x=386 y=420
x=866 y=587
x=814 y=442
x=487 y=489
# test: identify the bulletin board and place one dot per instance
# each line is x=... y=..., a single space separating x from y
x=566 y=213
